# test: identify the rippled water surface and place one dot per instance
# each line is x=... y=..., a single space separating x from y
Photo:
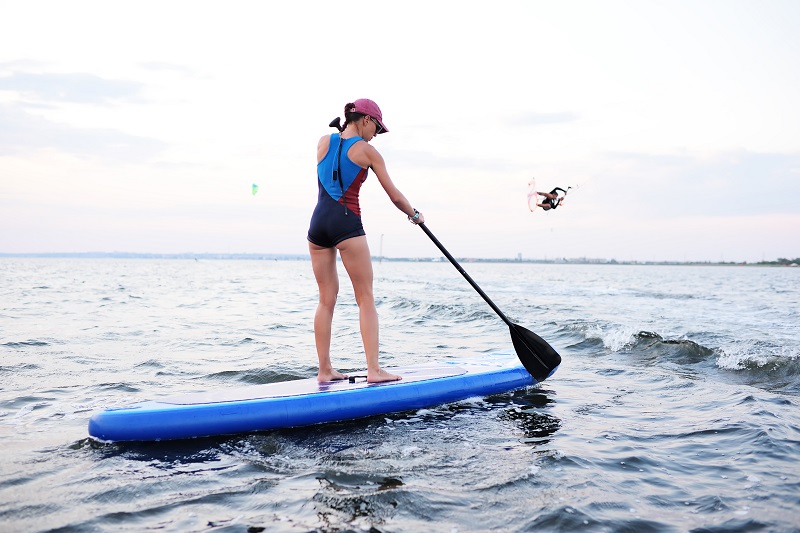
x=675 y=409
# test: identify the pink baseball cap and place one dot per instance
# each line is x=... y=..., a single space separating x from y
x=366 y=106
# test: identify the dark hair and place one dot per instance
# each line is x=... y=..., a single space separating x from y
x=349 y=116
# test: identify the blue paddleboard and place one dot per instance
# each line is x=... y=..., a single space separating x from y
x=305 y=402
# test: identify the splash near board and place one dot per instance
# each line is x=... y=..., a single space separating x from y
x=305 y=402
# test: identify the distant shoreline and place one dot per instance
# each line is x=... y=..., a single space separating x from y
x=301 y=257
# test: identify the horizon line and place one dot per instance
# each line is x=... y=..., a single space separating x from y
x=307 y=257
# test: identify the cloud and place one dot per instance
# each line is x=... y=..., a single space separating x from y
x=73 y=87
x=728 y=183
x=160 y=66
x=430 y=160
x=22 y=132
x=538 y=119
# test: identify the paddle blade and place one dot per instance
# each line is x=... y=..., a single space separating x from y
x=537 y=356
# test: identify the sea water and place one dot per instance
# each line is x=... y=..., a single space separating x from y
x=675 y=407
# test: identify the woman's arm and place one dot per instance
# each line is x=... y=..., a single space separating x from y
x=368 y=154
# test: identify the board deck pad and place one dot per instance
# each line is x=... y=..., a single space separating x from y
x=301 y=387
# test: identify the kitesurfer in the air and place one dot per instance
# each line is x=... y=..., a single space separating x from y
x=551 y=199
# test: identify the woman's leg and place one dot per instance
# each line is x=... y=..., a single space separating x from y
x=358 y=263
x=323 y=262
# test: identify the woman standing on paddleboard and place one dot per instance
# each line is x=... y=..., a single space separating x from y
x=343 y=161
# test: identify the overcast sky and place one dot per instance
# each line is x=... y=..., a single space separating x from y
x=141 y=126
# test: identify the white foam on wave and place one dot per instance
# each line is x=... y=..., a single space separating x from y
x=615 y=338
x=752 y=352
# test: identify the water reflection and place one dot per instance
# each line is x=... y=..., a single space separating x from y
x=345 y=498
x=528 y=412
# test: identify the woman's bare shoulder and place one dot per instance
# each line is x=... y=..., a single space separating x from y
x=363 y=153
x=322 y=147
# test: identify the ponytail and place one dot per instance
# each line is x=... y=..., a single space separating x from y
x=350 y=115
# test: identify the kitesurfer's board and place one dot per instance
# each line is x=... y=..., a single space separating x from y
x=533 y=198
x=304 y=402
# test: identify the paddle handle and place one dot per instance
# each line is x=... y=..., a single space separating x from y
x=464 y=273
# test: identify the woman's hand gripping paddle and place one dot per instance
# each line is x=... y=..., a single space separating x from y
x=537 y=356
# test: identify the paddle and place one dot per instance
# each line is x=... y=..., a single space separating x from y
x=537 y=356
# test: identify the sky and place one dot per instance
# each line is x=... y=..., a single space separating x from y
x=142 y=126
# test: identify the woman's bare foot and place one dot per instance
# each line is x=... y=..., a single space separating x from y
x=331 y=375
x=380 y=376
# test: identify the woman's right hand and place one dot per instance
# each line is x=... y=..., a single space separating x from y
x=418 y=218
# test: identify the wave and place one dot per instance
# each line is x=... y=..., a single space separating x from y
x=757 y=362
x=274 y=374
x=460 y=312
x=13 y=369
x=419 y=312
x=755 y=353
x=23 y=344
x=681 y=351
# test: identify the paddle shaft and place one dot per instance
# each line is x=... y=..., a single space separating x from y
x=464 y=273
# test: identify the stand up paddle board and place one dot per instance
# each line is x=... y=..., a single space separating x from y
x=305 y=402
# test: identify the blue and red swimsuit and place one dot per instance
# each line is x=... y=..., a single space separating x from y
x=337 y=216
